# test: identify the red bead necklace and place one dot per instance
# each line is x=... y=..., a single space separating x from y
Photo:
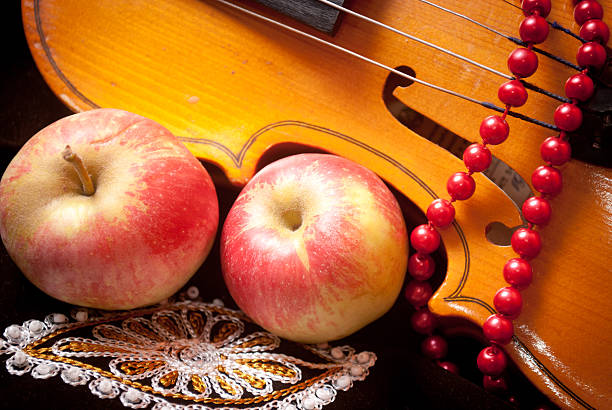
x=546 y=180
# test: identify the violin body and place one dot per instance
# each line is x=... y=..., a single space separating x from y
x=239 y=91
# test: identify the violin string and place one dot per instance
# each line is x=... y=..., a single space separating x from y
x=485 y=104
x=513 y=5
x=513 y=39
x=559 y=27
x=471 y=20
x=552 y=56
x=553 y=24
x=418 y=40
x=556 y=26
x=444 y=50
x=468 y=60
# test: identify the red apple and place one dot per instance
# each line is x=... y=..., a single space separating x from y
x=136 y=240
x=314 y=248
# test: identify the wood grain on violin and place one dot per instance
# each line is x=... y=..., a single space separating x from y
x=232 y=87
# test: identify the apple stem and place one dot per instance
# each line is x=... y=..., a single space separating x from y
x=77 y=163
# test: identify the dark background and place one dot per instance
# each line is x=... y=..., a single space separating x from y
x=402 y=377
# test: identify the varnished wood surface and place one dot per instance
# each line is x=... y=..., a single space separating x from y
x=233 y=87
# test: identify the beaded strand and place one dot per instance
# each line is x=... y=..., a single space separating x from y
x=546 y=180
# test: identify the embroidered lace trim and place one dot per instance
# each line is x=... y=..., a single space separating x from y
x=182 y=354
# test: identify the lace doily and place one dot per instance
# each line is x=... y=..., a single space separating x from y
x=182 y=354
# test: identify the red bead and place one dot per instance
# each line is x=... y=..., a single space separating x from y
x=449 y=367
x=587 y=10
x=541 y=7
x=441 y=213
x=547 y=180
x=491 y=361
x=579 y=86
x=533 y=29
x=477 y=157
x=537 y=210
x=509 y=302
x=568 y=117
x=460 y=186
x=522 y=62
x=434 y=347
x=425 y=239
x=555 y=151
x=518 y=273
x=526 y=242
x=423 y=321
x=417 y=293
x=591 y=54
x=494 y=130
x=494 y=384
x=498 y=329
x=512 y=93
x=421 y=266
x=595 y=30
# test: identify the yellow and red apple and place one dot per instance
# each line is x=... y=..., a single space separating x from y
x=107 y=209
x=314 y=248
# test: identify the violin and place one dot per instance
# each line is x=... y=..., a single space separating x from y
x=241 y=91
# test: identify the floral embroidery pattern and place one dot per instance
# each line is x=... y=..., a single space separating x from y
x=185 y=353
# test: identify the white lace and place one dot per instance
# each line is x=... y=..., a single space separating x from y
x=184 y=354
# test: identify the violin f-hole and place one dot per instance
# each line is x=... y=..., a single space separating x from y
x=500 y=173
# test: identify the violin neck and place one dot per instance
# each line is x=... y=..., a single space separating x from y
x=311 y=12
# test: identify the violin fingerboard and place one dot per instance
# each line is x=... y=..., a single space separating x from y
x=311 y=12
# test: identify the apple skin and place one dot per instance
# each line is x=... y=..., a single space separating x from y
x=138 y=239
x=314 y=248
